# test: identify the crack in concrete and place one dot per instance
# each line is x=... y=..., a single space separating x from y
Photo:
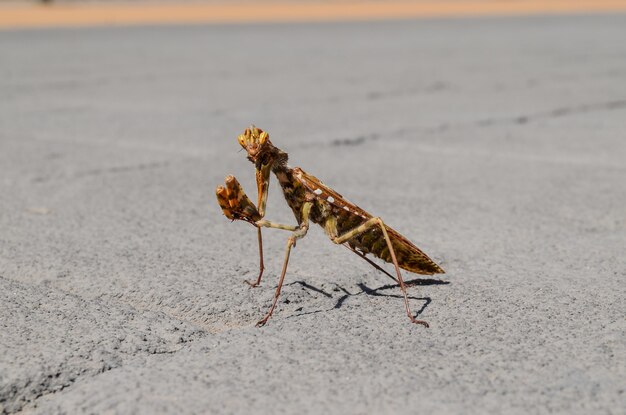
x=127 y=336
x=52 y=390
x=122 y=169
x=354 y=141
x=401 y=133
x=436 y=86
x=177 y=313
x=108 y=170
x=555 y=113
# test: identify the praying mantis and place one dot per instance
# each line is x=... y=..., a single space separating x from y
x=312 y=201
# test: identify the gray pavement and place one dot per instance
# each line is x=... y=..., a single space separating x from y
x=496 y=145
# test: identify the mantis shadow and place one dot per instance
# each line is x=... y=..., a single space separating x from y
x=374 y=292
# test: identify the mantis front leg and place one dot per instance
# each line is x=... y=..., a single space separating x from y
x=236 y=206
x=263 y=184
x=235 y=203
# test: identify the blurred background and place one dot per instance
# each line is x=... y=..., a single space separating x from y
x=490 y=133
x=21 y=13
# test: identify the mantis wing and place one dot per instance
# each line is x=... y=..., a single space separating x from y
x=349 y=215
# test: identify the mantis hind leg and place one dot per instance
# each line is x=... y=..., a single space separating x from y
x=331 y=229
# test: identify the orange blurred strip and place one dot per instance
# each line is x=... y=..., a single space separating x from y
x=64 y=15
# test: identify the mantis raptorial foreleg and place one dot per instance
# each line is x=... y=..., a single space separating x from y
x=298 y=233
x=331 y=230
x=235 y=203
x=262 y=184
x=237 y=206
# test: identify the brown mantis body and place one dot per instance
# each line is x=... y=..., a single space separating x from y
x=312 y=201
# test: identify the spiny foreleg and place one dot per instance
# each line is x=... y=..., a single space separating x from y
x=235 y=203
x=263 y=184
x=237 y=206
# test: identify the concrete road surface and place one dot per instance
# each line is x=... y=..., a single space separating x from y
x=497 y=145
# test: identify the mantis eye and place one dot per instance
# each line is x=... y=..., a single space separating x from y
x=263 y=137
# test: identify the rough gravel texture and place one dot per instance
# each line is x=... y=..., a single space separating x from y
x=496 y=145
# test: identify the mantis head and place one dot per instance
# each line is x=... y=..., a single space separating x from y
x=257 y=144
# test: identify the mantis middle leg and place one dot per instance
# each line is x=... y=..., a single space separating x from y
x=298 y=233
